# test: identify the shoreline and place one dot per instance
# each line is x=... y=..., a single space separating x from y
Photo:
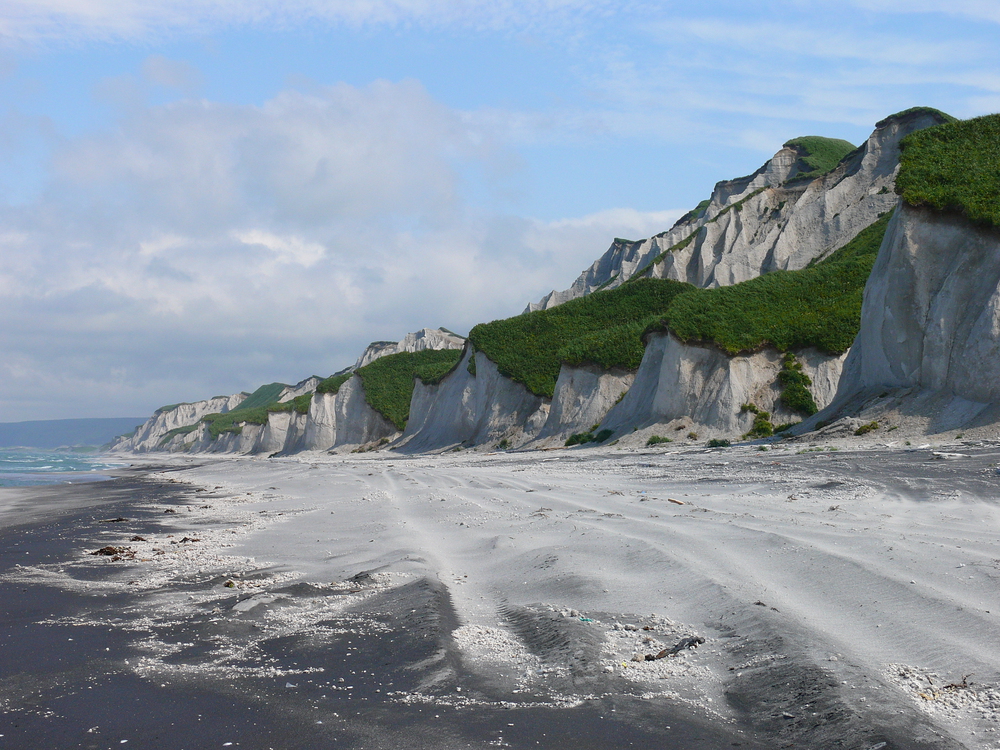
x=499 y=583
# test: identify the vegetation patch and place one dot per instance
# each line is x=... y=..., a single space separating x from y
x=388 y=381
x=604 y=328
x=866 y=428
x=818 y=155
x=263 y=396
x=695 y=213
x=299 y=404
x=762 y=426
x=582 y=438
x=954 y=167
x=234 y=420
x=253 y=410
x=332 y=384
x=916 y=111
x=167 y=437
x=657 y=439
x=795 y=394
x=814 y=307
x=719 y=443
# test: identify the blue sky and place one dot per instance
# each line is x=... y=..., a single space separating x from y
x=200 y=197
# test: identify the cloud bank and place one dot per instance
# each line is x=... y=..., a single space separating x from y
x=199 y=243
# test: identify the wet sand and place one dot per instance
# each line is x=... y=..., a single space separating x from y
x=476 y=600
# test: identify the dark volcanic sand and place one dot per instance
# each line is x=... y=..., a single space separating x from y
x=64 y=686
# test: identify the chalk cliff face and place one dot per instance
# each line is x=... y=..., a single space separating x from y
x=466 y=409
x=930 y=325
x=357 y=422
x=764 y=222
x=704 y=388
x=930 y=330
x=152 y=432
x=321 y=424
x=425 y=338
x=583 y=397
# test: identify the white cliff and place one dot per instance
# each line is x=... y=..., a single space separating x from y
x=583 y=396
x=466 y=409
x=321 y=423
x=425 y=338
x=929 y=341
x=765 y=222
x=357 y=422
x=702 y=388
x=151 y=434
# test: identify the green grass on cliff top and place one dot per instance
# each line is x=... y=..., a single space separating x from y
x=389 y=381
x=954 y=167
x=529 y=348
x=817 y=307
x=819 y=155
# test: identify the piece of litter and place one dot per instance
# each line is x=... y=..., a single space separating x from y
x=675 y=502
x=585 y=619
x=290 y=685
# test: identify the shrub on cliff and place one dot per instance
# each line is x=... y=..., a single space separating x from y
x=819 y=306
x=604 y=328
x=389 y=381
x=954 y=167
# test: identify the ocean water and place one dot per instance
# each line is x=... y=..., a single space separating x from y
x=27 y=467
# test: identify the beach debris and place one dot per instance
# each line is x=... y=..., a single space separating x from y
x=963 y=685
x=137 y=538
x=363 y=577
x=115 y=553
x=230 y=584
x=681 y=645
x=113 y=520
x=170 y=510
x=109 y=550
x=585 y=619
x=675 y=502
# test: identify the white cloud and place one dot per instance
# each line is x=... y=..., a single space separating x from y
x=289 y=249
x=198 y=247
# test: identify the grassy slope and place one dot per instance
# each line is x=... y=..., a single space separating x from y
x=954 y=167
x=529 y=348
x=253 y=410
x=817 y=307
x=819 y=155
x=263 y=396
x=388 y=381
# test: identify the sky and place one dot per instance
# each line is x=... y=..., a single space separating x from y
x=201 y=196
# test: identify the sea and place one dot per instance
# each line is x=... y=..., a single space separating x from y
x=29 y=467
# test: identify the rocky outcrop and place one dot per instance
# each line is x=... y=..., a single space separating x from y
x=155 y=433
x=466 y=409
x=583 y=397
x=765 y=222
x=299 y=389
x=704 y=388
x=357 y=422
x=929 y=341
x=425 y=338
x=321 y=423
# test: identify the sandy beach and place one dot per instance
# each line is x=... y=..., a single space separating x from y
x=845 y=598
